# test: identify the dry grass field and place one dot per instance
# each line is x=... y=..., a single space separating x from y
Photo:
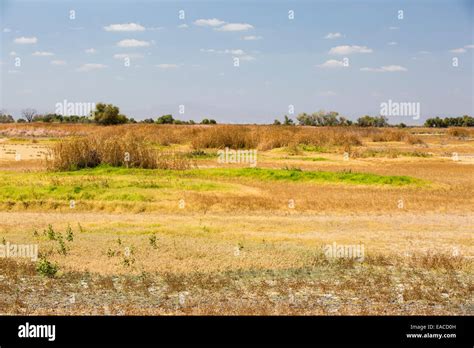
x=170 y=229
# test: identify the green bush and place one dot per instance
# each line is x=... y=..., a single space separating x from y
x=46 y=268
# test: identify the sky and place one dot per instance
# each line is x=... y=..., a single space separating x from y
x=348 y=56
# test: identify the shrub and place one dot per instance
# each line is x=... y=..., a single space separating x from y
x=458 y=132
x=108 y=114
x=165 y=119
x=115 y=148
x=234 y=137
x=46 y=268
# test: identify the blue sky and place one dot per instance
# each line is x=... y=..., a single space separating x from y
x=282 y=61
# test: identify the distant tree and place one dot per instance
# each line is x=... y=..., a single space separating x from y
x=277 y=122
x=304 y=119
x=132 y=120
x=6 y=118
x=148 y=120
x=344 y=121
x=369 y=121
x=108 y=114
x=205 y=121
x=21 y=120
x=288 y=121
x=467 y=121
x=322 y=118
x=28 y=114
x=402 y=125
x=212 y=121
x=464 y=121
x=165 y=119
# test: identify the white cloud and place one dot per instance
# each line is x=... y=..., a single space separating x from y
x=235 y=52
x=127 y=55
x=43 y=54
x=247 y=58
x=331 y=36
x=393 y=28
x=345 y=49
x=58 y=62
x=124 y=27
x=90 y=50
x=387 y=68
x=328 y=94
x=91 y=66
x=155 y=28
x=183 y=26
x=26 y=40
x=214 y=22
x=331 y=64
x=235 y=27
x=462 y=49
x=252 y=38
x=133 y=43
x=392 y=43
x=7 y=30
x=167 y=66
x=12 y=53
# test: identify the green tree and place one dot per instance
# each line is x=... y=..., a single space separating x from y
x=288 y=121
x=6 y=118
x=165 y=119
x=108 y=114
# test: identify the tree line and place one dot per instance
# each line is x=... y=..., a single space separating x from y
x=104 y=114
x=108 y=114
x=327 y=119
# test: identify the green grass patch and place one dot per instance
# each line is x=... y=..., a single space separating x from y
x=301 y=158
x=152 y=185
x=307 y=176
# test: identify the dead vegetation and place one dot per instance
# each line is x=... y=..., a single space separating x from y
x=114 y=148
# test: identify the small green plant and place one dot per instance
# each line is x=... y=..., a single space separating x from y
x=46 y=268
x=128 y=259
x=62 y=246
x=50 y=233
x=119 y=241
x=69 y=234
x=35 y=233
x=152 y=241
x=80 y=228
x=111 y=253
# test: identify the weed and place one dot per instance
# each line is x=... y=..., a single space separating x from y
x=46 y=268
x=152 y=241
x=69 y=234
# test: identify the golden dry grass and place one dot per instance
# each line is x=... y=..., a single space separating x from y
x=237 y=247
